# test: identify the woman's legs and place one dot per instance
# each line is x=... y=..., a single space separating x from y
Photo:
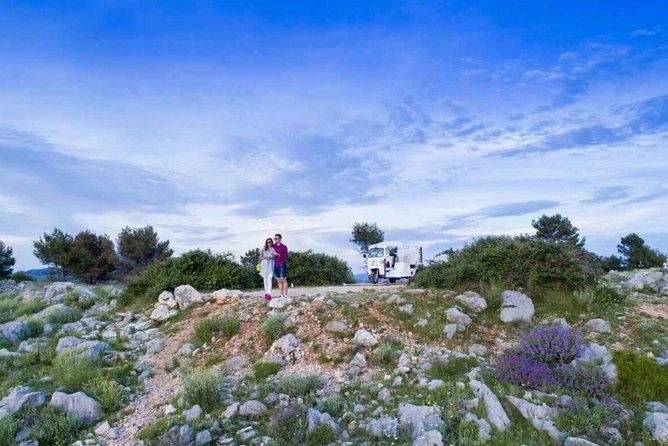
x=268 y=284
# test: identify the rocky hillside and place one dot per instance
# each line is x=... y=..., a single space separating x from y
x=347 y=365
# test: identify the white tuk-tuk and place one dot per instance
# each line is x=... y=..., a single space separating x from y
x=392 y=261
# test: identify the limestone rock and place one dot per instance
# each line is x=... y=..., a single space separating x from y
x=484 y=428
x=167 y=299
x=657 y=425
x=598 y=326
x=252 y=408
x=429 y=438
x=473 y=301
x=364 y=338
x=539 y=416
x=162 y=313
x=92 y=349
x=336 y=326
x=419 y=419
x=457 y=316
x=78 y=404
x=516 y=306
x=193 y=413
x=285 y=344
x=15 y=330
x=450 y=330
x=495 y=413
x=20 y=397
x=186 y=295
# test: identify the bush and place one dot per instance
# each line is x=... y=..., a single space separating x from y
x=295 y=386
x=307 y=268
x=73 y=299
x=273 y=327
x=226 y=326
x=36 y=326
x=334 y=405
x=321 y=435
x=204 y=389
x=29 y=307
x=71 y=370
x=201 y=269
x=589 y=416
x=264 y=370
x=640 y=378
x=596 y=296
x=51 y=427
x=452 y=368
x=521 y=370
x=155 y=429
x=387 y=354
x=584 y=380
x=107 y=393
x=552 y=345
x=289 y=425
x=60 y=317
x=517 y=262
x=20 y=276
x=9 y=426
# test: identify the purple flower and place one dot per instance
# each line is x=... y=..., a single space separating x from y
x=552 y=345
x=522 y=370
x=583 y=380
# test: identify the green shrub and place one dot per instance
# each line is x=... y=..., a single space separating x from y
x=154 y=430
x=517 y=262
x=289 y=425
x=71 y=370
x=107 y=393
x=321 y=435
x=640 y=378
x=452 y=368
x=334 y=405
x=226 y=326
x=29 y=307
x=201 y=269
x=51 y=427
x=386 y=354
x=298 y=385
x=307 y=268
x=73 y=299
x=204 y=389
x=264 y=370
x=20 y=276
x=596 y=296
x=9 y=426
x=36 y=326
x=60 y=317
x=273 y=327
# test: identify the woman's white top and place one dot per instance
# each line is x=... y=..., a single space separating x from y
x=267 y=265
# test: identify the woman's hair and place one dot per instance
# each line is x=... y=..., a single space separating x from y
x=266 y=243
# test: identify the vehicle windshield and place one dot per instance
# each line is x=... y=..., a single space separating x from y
x=376 y=252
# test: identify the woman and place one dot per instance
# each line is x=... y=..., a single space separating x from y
x=267 y=255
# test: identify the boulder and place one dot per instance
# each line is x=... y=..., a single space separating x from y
x=494 y=410
x=203 y=438
x=20 y=397
x=599 y=354
x=285 y=344
x=408 y=309
x=167 y=299
x=484 y=428
x=516 y=307
x=54 y=292
x=383 y=427
x=194 y=413
x=598 y=326
x=364 y=338
x=316 y=418
x=186 y=350
x=79 y=405
x=577 y=441
x=162 y=313
x=450 y=330
x=644 y=279
x=14 y=331
x=186 y=295
x=252 y=408
x=539 y=416
x=473 y=301
x=154 y=346
x=52 y=309
x=657 y=425
x=419 y=419
x=457 y=316
x=336 y=326
x=429 y=438
x=231 y=411
x=91 y=349
x=280 y=302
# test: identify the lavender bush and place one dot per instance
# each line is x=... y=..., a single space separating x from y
x=552 y=345
x=522 y=370
x=592 y=416
x=583 y=380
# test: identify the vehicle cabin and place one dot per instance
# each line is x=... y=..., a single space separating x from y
x=392 y=261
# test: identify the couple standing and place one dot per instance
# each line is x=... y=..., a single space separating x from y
x=274 y=263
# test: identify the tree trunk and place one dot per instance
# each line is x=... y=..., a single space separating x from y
x=62 y=273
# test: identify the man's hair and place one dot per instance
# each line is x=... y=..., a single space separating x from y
x=278 y=235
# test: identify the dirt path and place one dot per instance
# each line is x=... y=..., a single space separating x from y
x=160 y=388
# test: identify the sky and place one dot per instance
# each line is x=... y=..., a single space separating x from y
x=223 y=122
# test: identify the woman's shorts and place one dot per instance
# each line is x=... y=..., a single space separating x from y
x=281 y=271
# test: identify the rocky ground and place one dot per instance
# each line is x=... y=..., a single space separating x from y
x=337 y=365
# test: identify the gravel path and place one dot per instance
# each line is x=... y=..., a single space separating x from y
x=322 y=290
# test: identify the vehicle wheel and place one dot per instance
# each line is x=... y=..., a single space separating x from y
x=392 y=280
x=373 y=277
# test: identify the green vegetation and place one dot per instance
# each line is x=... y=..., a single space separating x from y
x=297 y=385
x=447 y=370
x=636 y=254
x=201 y=269
x=640 y=378
x=264 y=370
x=20 y=276
x=366 y=234
x=139 y=247
x=107 y=393
x=72 y=370
x=516 y=262
x=557 y=229
x=591 y=297
x=203 y=388
x=60 y=317
x=73 y=299
x=334 y=405
x=273 y=327
x=307 y=268
x=387 y=354
x=7 y=261
x=288 y=425
x=155 y=429
x=226 y=327
x=321 y=435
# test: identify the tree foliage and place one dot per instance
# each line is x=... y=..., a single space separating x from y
x=7 y=260
x=366 y=234
x=57 y=250
x=558 y=229
x=95 y=257
x=636 y=254
x=308 y=268
x=138 y=247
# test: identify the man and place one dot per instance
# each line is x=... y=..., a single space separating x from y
x=281 y=265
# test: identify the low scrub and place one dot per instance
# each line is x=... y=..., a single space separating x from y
x=226 y=327
x=60 y=317
x=308 y=268
x=47 y=425
x=107 y=393
x=298 y=385
x=72 y=370
x=264 y=370
x=454 y=367
x=386 y=354
x=640 y=378
x=203 y=388
x=273 y=327
x=154 y=430
x=516 y=262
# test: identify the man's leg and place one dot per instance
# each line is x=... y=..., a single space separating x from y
x=284 y=286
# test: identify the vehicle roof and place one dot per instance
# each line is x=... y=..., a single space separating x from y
x=393 y=243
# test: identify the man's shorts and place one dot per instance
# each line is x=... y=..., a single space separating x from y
x=281 y=271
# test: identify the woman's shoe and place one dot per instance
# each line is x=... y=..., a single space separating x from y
x=267 y=297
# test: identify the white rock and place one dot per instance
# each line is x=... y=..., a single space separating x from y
x=231 y=411
x=336 y=326
x=408 y=309
x=450 y=330
x=644 y=279
x=577 y=441
x=20 y=397
x=430 y=438
x=280 y=302
x=186 y=350
x=286 y=344
x=92 y=349
x=457 y=316
x=657 y=424
x=167 y=299
x=252 y=408
x=539 y=416
x=419 y=419
x=474 y=301
x=202 y=438
x=102 y=428
x=193 y=413
x=364 y=338
x=15 y=330
x=78 y=404
x=162 y=313
x=598 y=326
x=599 y=354
x=516 y=306
x=484 y=428
x=186 y=295
x=478 y=349
x=494 y=410
x=55 y=291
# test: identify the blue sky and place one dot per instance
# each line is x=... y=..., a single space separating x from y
x=222 y=122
